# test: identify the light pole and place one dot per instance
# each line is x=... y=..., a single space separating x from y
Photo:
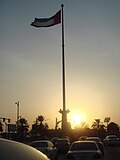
x=17 y=103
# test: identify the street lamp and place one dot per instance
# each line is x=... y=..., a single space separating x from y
x=17 y=103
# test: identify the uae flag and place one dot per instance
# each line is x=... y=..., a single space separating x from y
x=47 y=22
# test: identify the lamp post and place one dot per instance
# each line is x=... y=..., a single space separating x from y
x=17 y=103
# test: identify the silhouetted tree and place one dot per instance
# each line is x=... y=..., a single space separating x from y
x=23 y=126
x=94 y=125
x=40 y=126
x=41 y=118
x=46 y=127
x=102 y=131
x=83 y=124
x=113 y=128
x=34 y=129
x=97 y=124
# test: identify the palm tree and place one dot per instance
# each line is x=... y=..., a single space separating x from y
x=94 y=125
x=43 y=127
x=23 y=126
x=41 y=118
x=39 y=126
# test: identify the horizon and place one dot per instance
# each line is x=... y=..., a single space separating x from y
x=30 y=60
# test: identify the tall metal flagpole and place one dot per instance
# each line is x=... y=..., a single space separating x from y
x=63 y=62
x=64 y=111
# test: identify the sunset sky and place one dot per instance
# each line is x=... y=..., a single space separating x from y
x=30 y=60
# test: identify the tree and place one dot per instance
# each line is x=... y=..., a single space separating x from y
x=22 y=126
x=94 y=125
x=41 y=118
x=40 y=126
x=113 y=128
x=46 y=127
x=43 y=126
x=83 y=124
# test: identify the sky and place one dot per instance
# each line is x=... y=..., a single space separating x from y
x=30 y=60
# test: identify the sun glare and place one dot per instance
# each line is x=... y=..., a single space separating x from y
x=76 y=119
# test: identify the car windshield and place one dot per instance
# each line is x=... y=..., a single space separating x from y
x=112 y=137
x=65 y=141
x=83 y=146
x=93 y=139
x=39 y=144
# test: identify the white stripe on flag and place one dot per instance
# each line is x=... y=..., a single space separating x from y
x=43 y=24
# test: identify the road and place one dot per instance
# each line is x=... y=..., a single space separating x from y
x=111 y=153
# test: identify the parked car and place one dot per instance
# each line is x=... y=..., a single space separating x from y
x=17 y=151
x=46 y=147
x=84 y=150
x=82 y=138
x=98 y=141
x=63 y=145
x=112 y=140
x=54 y=140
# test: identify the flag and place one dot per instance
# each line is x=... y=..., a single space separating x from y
x=47 y=22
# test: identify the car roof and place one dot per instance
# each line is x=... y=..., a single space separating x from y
x=42 y=141
x=84 y=142
x=63 y=139
x=18 y=151
x=54 y=138
x=112 y=135
x=93 y=138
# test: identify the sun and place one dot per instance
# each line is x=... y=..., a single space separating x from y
x=76 y=119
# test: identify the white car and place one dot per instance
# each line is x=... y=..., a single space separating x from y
x=11 y=150
x=112 y=140
x=46 y=147
x=84 y=150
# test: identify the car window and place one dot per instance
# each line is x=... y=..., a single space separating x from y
x=93 y=139
x=84 y=146
x=112 y=137
x=39 y=144
x=65 y=141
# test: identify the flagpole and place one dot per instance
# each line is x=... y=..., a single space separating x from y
x=63 y=62
x=47 y=22
x=64 y=111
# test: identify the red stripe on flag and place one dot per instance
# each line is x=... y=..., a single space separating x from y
x=57 y=17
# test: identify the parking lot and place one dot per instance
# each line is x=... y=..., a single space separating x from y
x=112 y=153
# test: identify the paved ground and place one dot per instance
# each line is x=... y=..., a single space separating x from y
x=112 y=153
